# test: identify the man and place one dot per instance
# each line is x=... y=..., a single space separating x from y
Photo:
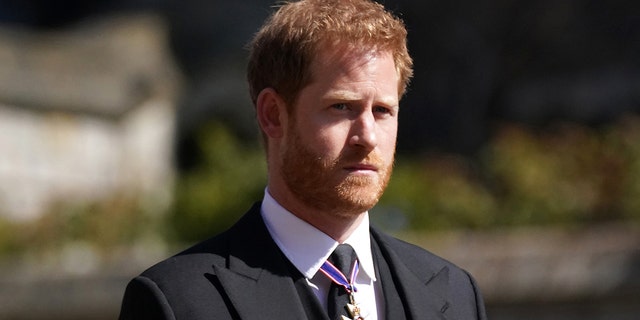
x=326 y=77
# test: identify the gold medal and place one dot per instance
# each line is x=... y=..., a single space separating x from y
x=353 y=309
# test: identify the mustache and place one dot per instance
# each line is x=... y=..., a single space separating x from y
x=371 y=159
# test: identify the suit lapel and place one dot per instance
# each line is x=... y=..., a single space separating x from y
x=421 y=287
x=259 y=285
x=256 y=278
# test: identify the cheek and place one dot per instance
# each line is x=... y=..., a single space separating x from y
x=322 y=140
x=388 y=135
x=330 y=141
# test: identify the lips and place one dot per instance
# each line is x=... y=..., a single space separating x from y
x=371 y=162
x=362 y=167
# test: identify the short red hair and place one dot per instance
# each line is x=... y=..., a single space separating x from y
x=283 y=49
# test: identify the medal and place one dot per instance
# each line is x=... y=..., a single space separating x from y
x=354 y=311
x=336 y=276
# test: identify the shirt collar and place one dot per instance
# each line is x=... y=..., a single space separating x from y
x=307 y=247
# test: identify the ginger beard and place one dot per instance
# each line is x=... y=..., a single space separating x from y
x=324 y=184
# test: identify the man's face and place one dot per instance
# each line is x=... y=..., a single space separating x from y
x=338 y=150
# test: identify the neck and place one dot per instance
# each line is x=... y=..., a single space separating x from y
x=338 y=226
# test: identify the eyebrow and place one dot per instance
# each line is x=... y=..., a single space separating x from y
x=342 y=95
x=347 y=95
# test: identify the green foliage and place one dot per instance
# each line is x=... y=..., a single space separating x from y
x=565 y=174
x=212 y=196
x=106 y=225
x=439 y=192
x=8 y=238
x=624 y=139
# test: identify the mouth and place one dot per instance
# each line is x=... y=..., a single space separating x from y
x=362 y=167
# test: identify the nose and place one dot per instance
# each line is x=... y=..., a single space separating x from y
x=363 y=132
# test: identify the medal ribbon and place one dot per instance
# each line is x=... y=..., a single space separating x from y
x=335 y=275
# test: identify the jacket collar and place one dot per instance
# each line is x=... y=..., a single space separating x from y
x=260 y=286
x=422 y=287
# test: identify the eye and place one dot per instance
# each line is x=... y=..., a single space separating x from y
x=340 y=106
x=382 y=110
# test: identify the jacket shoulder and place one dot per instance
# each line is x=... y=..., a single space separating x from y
x=411 y=254
x=186 y=285
x=178 y=286
x=449 y=280
x=202 y=256
x=196 y=259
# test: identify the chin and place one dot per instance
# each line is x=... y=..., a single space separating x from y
x=354 y=201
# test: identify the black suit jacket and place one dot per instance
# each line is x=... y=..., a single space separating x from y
x=242 y=274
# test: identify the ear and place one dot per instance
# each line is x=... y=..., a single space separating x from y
x=271 y=113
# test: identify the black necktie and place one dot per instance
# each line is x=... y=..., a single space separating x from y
x=343 y=257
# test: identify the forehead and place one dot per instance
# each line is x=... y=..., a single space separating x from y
x=342 y=60
x=331 y=54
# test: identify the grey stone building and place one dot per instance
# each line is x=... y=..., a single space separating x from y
x=86 y=111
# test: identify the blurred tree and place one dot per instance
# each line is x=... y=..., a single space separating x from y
x=214 y=194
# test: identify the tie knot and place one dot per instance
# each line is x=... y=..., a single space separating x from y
x=343 y=258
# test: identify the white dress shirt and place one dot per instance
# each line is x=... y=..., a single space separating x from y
x=308 y=248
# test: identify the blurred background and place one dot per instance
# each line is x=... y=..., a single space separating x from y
x=127 y=133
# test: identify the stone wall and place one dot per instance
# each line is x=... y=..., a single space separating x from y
x=85 y=112
x=547 y=273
